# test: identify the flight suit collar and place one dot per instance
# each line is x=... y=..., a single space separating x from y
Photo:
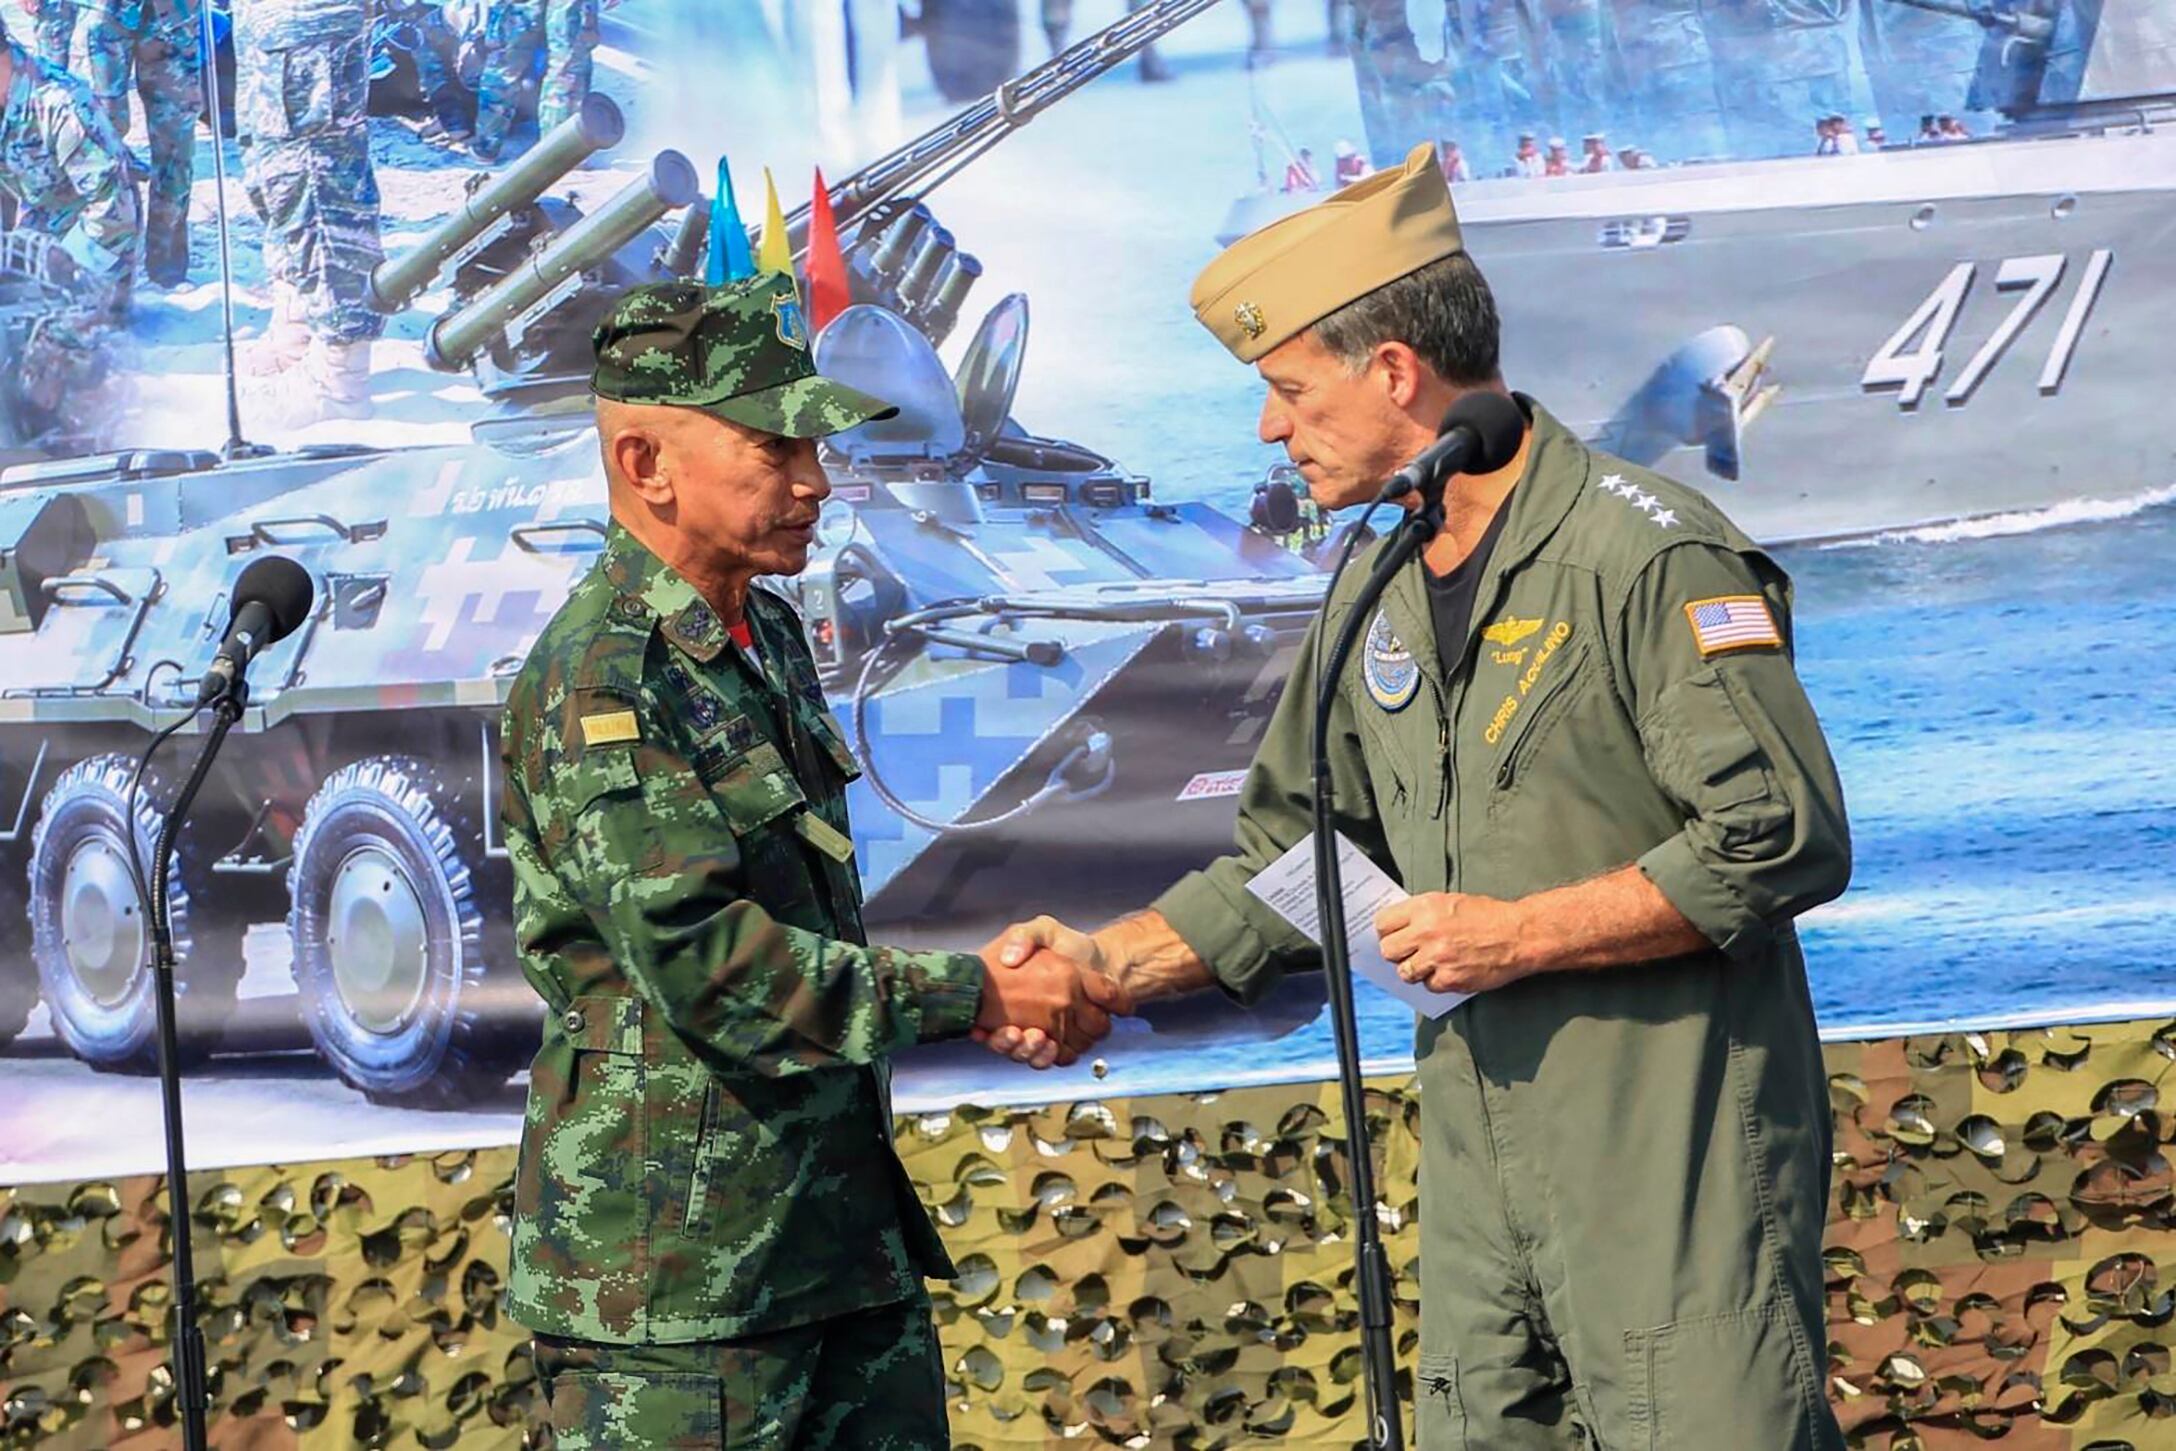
x=1552 y=481
x=648 y=584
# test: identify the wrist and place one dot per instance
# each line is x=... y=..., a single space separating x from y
x=1533 y=944
x=1114 y=947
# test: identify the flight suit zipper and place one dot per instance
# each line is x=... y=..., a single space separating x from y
x=1536 y=719
x=1443 y=755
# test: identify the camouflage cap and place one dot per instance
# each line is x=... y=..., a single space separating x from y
x=739 y=352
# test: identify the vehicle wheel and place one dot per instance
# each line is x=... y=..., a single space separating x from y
x=974 y=45
x=18 y=979
x=390 y=950
x=90 y=936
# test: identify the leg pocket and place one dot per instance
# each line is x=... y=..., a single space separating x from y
x=610 y=1411
x=1721 y=1383
x=1439 y=1415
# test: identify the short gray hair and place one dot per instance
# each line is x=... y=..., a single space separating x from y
x=1443 y=311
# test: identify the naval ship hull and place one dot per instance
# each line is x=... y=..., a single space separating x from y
x=1948 y=333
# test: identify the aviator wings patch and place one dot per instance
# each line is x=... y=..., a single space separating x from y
x=1509 y=631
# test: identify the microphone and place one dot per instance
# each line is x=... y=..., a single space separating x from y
x=271 y=597
x=1480 y=433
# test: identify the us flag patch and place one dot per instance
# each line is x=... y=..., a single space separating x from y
x=1732 y=622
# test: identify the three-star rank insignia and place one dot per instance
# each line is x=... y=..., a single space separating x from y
x=1392 y=675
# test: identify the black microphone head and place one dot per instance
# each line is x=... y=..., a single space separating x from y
x=1495 y=420
x=282 y=586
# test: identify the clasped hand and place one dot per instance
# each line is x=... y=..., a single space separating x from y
x=1453 y=942
x=1044 y=999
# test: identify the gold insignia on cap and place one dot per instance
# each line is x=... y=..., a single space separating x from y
x=1308 y=265
x=610 y=729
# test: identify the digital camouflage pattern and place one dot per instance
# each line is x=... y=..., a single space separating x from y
x=1662 y=1265
x=514 y=31
x=2000 y=1250
x=871 y=1381
x=706 y=1153
x=55 y=28
x=740 y=351
x=64 y=164
x=157 y=45
x=302 y=87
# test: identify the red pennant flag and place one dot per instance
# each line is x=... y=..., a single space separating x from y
x=826 y=265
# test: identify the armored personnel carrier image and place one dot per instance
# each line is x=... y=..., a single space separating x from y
x=1042 y=669
x=1844 y=345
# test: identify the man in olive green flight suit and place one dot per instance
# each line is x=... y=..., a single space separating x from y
x=1574 y=735
x=714 y=1240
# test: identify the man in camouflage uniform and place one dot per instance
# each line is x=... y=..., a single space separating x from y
x=714 y=1239
x=77 y=229
x=566 y=31
x=54 y=22
x=62 y=161
x=302 y=90
x=1573 y=733
x=155 y=42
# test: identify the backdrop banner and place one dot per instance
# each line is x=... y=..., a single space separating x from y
x=1822 y=261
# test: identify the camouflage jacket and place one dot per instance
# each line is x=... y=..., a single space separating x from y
x=166 y=17
x=708 y=1151
x=67 y=169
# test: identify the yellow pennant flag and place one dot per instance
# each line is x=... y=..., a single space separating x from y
x=775 y=254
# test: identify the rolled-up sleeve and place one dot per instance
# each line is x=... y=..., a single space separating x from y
x=1730 y=736
x=1245 y=944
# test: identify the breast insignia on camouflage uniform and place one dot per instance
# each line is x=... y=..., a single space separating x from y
x=1388 y=667
x=610 y=728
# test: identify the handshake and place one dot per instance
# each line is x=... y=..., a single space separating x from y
x=1046 y=998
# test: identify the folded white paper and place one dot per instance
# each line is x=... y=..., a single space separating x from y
x=1287 y=887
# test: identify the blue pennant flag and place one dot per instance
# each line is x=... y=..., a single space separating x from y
x=729 y=259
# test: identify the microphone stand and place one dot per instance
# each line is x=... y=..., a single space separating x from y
x=191 y=1386
x=1377 y=1350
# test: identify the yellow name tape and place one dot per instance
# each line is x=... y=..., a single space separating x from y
x=823 y=836
x=611 y=728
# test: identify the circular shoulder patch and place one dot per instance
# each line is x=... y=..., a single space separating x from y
x=1388 y=666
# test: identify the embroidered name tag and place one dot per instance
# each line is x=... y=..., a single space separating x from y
x=1731 y=622
x=823 y=836
x=610 y=728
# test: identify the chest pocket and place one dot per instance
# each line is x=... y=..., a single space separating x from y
x=601 y=790
x=753 y=787
x=1538 y=715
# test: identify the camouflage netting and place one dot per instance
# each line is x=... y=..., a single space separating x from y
x=1168 y=1271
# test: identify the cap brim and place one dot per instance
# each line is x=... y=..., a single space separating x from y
x=812 y=407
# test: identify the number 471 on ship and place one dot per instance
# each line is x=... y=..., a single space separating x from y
x=1911 y=372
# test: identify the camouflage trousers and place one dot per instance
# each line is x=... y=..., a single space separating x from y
x=566 y=30
x=306 y=164
x=160 y=55
x=870 y=1381
x=55 y=28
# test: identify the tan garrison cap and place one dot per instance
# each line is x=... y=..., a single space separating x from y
x=1273 y=284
